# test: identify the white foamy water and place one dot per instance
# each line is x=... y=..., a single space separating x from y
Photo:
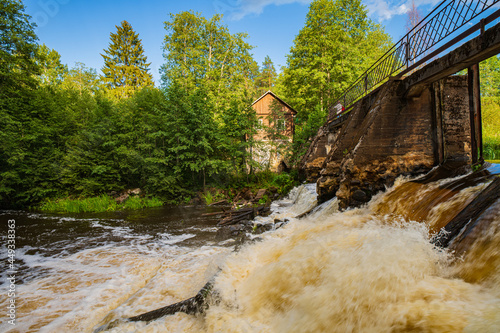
x=362 y=270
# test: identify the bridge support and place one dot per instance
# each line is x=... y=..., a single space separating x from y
x=475 y=114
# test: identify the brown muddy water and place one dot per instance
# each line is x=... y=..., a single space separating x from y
x=370 y=269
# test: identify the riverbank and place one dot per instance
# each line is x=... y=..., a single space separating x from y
x=259 y=188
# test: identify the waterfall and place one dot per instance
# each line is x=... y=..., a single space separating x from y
x=369 y=269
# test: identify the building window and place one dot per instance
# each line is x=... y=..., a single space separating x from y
x=261 y=122
x=281 y=125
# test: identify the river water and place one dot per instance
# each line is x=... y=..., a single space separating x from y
x=370 y=269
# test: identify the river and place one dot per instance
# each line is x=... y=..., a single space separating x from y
x=369 y=269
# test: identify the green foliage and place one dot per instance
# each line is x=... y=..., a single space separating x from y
x=266 y=78
x=52 y=70
x=336 y=45
x=64 y=135
x=305 y=133
x=125 y=66
x=202 y=52
x=102 y=203
x=263 y=200
x=490 y=77
x=490 y=110
x=18 y=48
x=82 y=79
x=283 y=182
x=140 y=203
x=192 y=139
x=209 y=196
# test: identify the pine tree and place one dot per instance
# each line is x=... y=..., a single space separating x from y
x=267 y=76
x=125 y=65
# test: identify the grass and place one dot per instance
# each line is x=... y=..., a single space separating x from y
x=491 y=147
x=211 y=195
x=490 y=109
x=102 y=203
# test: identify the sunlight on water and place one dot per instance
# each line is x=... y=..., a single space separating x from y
x=372 y=269
x=350 y=272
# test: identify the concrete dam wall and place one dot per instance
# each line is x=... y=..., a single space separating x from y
x=388 y=134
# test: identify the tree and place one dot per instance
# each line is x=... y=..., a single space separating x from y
x=125 y=65
x=239 y=125
x=490 y=106
x=52 y=70
x=266 y=79
x=336 y=45
x=414 y=17
x=203 y=52
x=490 y=77
x=18 y=46
x=193 y=134
x=82 y=78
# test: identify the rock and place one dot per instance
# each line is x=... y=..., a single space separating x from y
x=361 y=196
x=121 y=198
x=247 y=195
x=261 y=228
x=135 y=191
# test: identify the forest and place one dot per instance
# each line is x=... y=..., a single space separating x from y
x=81 y=133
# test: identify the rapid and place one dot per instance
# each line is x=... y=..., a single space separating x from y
x=371 y=269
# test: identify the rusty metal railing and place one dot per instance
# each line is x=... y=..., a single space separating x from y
x=417 y=46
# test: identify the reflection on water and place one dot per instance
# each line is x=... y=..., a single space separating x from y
x=371 y=269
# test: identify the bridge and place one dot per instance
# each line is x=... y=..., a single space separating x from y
x=407 y=113
x=440 y=29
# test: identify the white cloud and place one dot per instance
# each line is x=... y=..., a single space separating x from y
x=237 y=9
x=380 y=10
x=385 y=9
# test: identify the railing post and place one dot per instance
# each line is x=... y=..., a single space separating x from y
x=366 y=83
x=407 y=51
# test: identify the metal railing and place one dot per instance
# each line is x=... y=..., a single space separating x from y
x=417 y=46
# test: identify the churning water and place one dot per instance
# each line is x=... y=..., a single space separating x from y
x=370 y=269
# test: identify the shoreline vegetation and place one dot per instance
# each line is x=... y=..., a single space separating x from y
x=241 y=191
x=98 y=204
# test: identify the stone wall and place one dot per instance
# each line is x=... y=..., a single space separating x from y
x=388 y=134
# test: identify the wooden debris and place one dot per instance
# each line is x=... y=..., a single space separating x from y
x=260 y=194
x=221 y=202
x=213 y=214
x=238 y=215
x=193 y=305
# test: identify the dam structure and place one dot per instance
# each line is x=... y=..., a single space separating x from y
x=410 y=111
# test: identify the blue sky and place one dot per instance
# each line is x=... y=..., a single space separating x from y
x=79 y=29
